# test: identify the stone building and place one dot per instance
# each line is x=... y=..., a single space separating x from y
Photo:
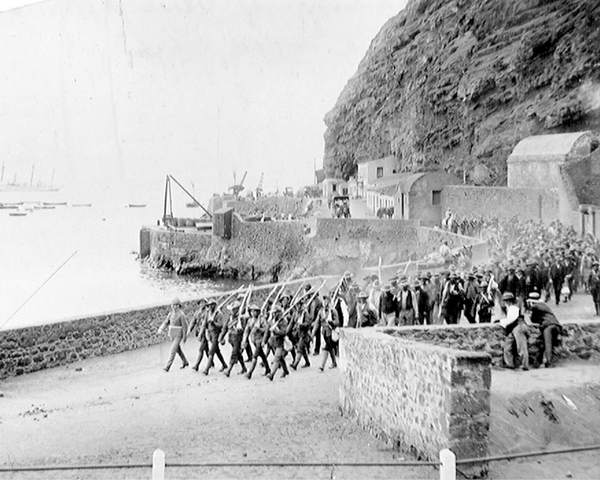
x=539 y=161
x=334 y=186
x=419 y=196
x=550 y=177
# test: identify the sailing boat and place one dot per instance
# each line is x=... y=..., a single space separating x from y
x=21 y=187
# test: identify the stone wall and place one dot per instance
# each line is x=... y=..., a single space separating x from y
x=175 y=249
x=353 y=244
x=417 y=397
x=502 y=202
x=26 y=350
x=261 y=248
x=275 y=206
x=581 y=340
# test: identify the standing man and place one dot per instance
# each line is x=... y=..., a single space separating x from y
x=407 y=304
x=423 y=302
x=515 y=330
x=471 y=294
x=594 y=285
x=235 y=328
x=214 y=324
x=302 y=334
x=366 y=314
x=198 y=326
x=485 y=303
x=278 y=331
x=328 y=322
x=452 y=300
x=557 y=277
x=387 y=306
x=178 y=326
x=313 y=310
x=256 y=331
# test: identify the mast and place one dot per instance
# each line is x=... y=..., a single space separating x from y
x=2 y=174
x=52 y=179
x=32 y=170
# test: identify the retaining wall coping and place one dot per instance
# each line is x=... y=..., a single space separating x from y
x=383 y=334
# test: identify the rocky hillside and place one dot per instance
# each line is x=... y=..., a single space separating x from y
x=456 y=84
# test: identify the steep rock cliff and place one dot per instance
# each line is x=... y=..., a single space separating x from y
x=455 y=84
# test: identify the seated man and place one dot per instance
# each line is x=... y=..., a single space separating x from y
x=516 y=333
x=542 y=316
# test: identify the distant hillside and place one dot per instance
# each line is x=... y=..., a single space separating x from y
x=452 y=84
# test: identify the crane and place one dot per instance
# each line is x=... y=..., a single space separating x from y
x=259 y=189
x=237 y=188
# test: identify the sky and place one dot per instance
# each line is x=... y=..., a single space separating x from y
x=109 y=96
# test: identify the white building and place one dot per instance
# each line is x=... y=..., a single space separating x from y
x=370 y=172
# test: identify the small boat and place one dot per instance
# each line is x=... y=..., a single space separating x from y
x=13 y=204
x=6 y=206
x=54 y=204
x=18 y=214
x=81 y=204
x=136 y=205
x=44 y=207
x=192 y=205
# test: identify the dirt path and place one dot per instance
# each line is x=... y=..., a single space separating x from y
x=121 y=408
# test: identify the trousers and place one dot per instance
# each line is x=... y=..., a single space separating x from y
x=176 y=350
x=517 y=338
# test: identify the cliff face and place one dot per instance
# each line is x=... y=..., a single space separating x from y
x=455 y=84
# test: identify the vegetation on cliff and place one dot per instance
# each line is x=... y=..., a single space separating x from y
x=455 y=84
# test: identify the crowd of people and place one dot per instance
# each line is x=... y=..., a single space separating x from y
x=531 y=263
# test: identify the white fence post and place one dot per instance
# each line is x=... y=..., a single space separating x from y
x=448 y=465
x=158 y=465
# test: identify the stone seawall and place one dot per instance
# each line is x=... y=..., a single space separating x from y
x=581 y=340
x=417 y=397
x=525 y=203
x=26 y=350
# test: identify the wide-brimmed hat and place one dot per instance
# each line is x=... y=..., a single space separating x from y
x=253 y=306
x=386 y=288
x=175 y=301
x=376 y=284
x=533 y=296
x=507 y=296
x=363 y=296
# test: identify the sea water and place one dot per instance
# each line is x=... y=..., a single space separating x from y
x=99 y=244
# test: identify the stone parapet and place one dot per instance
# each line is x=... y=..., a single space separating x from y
x=580 y=340
x=415 y=396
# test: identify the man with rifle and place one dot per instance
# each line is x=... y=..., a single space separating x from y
x=256 y=330
x=214 y=324
x=235 y=328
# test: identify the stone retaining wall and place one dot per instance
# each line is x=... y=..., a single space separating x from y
x=26 y=350
x=417 y=397
x=353 y=244
x=503 y=202
x=581 y=340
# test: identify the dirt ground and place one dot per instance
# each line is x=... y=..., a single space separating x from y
x=119 y=409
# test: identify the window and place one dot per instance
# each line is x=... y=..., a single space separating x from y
x=379 y=172
x=333 y=187
x=436 y=197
